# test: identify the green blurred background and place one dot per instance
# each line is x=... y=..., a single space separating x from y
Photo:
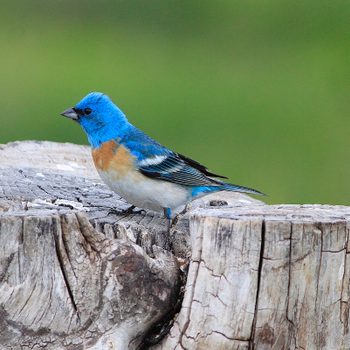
x=257 y=90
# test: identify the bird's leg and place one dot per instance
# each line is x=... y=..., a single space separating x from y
x=126 y=211
x=167 y=215
x=178 y=216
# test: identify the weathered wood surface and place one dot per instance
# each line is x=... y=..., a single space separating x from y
x=75 y=276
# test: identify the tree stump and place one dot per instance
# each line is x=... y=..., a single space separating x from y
x=75 y=274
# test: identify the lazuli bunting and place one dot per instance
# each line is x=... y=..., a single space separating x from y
x=138 y=168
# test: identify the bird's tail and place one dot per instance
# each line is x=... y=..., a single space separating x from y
x=222 y=186
x=242 y=189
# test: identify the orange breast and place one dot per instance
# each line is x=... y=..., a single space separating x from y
x=113 y=156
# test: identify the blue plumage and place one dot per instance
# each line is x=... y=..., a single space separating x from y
x=153 y=165
x=105 y=121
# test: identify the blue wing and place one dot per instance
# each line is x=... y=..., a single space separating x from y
x=158 y=162
x=174 y=169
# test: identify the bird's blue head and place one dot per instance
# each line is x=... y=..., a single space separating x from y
x=99 y=117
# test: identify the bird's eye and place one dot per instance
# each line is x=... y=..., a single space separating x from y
x=87 y=111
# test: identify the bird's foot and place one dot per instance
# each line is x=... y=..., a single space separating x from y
x=178 y=216
x=126 y=211
x=167 y=215
x=171 y=222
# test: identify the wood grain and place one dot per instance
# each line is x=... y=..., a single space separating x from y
x=74 y=275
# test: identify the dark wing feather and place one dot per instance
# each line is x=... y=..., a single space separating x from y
x=175 y=169
x=199 y=166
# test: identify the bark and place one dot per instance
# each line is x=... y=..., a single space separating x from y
x=74 y=275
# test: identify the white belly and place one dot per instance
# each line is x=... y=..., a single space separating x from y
x=146 y=193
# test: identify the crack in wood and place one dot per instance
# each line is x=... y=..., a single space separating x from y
x=289 y=271
x=162 y=328
x=259 y=275
x=5 y=263
x=319 y=265
x=193 y=287
x=61 y=264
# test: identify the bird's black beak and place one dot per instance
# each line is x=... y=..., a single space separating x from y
x=71 y=113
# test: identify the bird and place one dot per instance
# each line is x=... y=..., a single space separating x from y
x=145 y=173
